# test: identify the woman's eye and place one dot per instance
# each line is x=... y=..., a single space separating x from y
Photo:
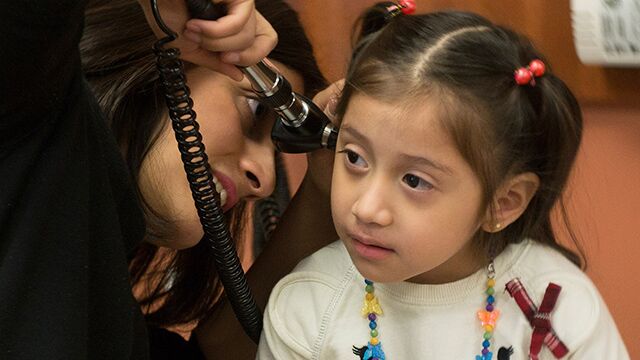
x=253 y=105
x=416 y=182
x=257 y=108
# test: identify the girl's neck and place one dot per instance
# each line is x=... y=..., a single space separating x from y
x=463 y=264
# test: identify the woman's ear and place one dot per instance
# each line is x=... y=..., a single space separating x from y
x=511 y=200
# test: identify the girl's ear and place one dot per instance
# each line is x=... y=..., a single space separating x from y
x=511 y=200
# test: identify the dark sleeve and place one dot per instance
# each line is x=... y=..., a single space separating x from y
x=167 y=345
x=39 y=59
x=69 y=214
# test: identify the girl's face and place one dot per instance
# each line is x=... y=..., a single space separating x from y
x=404 y=201
x=237 y=143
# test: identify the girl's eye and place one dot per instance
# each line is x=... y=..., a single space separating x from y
x=416 y=182
x=354 y=159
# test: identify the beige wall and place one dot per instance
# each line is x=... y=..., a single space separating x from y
x=604 y=193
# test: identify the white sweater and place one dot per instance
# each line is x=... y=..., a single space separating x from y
x=315 y=312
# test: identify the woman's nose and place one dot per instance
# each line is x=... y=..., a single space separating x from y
x=258 y=165
x=371 y=207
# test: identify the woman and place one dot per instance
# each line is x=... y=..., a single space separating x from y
x=173 y=272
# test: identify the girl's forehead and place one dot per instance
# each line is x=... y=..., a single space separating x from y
x=409 y=112
x=414 y=123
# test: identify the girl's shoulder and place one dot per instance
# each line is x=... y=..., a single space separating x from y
x=304 y=301
x=332 y=260
x=316 y=279
x=579 y=316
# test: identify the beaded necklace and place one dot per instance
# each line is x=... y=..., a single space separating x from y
x=371 y=310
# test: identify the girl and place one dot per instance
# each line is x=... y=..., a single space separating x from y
x=455 y=144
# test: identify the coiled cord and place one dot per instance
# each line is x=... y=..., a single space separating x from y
x=207 y=199
x=268 y=211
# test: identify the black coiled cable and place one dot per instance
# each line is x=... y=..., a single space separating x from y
x=268 y=211
x=207 y=199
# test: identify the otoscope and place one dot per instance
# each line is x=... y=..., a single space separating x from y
x=302 y=126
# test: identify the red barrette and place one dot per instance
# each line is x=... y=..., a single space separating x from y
x=527 y=75
x=408 y=7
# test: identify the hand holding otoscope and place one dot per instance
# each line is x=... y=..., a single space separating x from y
x=302 y=126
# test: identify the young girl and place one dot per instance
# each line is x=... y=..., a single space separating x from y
x=456 y=142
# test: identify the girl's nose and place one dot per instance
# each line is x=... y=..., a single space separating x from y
x=371 y=207
x=258 y=166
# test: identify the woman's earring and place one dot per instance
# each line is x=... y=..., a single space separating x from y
x=497 y=227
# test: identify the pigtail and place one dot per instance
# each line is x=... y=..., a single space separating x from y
x=560 y=120
x=376 y=18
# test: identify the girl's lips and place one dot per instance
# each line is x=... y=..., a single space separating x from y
x=230 y=187
x=366 y=248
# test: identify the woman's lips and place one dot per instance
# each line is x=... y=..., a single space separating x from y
x=230 y=187
x=366 y=248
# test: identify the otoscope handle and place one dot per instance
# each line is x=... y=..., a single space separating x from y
x=302 y=126
x=206 y=10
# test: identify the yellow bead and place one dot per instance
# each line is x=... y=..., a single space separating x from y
x=491 y=282
x=369 y=296
x=374 y=341
x=488 y=328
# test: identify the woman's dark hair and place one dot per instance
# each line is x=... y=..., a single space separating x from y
x=467 y=64
x=173 y=287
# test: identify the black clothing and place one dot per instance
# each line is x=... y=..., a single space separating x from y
x=167 y=345
x=68 y=212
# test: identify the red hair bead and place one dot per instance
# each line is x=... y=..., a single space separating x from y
x=408 y=6
x=537 y=67
x=523 y=76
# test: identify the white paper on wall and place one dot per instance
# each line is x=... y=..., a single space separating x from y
x=607 y=32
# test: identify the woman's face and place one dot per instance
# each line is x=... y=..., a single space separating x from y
x=237 y=142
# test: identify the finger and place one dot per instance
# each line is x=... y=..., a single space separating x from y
x=240 y=13
x=212 y=61
x=237 y=42
x=333 y=91
x=265 y=40
x=260 y=50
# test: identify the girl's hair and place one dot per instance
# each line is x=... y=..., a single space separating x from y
x=467 y=64
x=174 y=287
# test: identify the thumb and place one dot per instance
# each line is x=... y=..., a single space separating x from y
x=327 y=99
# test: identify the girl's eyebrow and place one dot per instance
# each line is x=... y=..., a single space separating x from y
x=412 y=159
x=419 y=160
x=355 y=134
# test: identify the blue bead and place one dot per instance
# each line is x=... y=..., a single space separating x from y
x=368 y=282
x=491 y=299
x=373 y=325
x=486 y=343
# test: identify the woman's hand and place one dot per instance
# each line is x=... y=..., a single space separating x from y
x=320 y=162
x=242 y=37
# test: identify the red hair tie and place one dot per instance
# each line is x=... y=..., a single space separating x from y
x=401 y=7
x=527 y=75
x=408 y=6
